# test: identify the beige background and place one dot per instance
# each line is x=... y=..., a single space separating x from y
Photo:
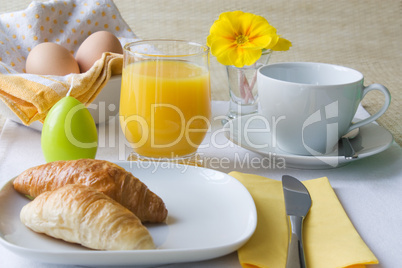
x=361 y=34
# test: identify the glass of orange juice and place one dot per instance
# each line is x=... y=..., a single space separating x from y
x=165 y=101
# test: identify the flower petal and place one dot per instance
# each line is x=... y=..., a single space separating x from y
x=256 y=25
x=220 y=49
x=222 y=28
x=273 y=41
x=282 y=45
x=258 y=42
x=221 y=45
x=250 y=56
x=241 y=57
x=234 y=57
x=232 y=19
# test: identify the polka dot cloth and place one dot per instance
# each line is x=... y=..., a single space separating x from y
x=67 y=23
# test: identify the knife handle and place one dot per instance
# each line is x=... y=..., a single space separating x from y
x=296 y=257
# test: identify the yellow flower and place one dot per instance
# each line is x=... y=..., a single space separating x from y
x=237 y=38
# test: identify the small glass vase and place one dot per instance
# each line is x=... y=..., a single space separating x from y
x=243 y=87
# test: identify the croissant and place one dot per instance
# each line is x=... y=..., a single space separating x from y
x=104 y=176
x=80 y=214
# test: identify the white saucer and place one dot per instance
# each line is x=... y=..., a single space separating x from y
x=252 y=133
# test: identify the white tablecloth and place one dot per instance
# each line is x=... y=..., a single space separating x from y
x=370 y=189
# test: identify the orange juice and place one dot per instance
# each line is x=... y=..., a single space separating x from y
x=165 y=107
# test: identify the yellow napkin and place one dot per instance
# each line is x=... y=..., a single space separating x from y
x=67 y=23
x=330 y=239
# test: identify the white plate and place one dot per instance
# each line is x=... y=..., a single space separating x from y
x=211 y=214
x=252 y=133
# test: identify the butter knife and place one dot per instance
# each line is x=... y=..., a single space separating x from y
x=298 y=203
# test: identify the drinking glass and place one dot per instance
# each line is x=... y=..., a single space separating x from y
x=165 y=101
x=243 y=90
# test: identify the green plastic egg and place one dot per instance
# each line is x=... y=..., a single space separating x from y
x=69 y=132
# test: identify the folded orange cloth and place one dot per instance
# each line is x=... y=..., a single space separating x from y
x=31 y=100
x=330 y=239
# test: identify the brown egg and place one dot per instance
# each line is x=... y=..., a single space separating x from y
x=93 y=47
x=51 y=59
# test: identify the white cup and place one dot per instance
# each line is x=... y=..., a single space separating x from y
x=310 y=106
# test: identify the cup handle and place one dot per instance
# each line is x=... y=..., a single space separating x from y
x=387 y=102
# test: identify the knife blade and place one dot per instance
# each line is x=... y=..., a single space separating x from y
x=297 y=203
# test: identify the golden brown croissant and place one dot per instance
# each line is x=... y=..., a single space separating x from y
x=80 y=214
x=103 y=176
